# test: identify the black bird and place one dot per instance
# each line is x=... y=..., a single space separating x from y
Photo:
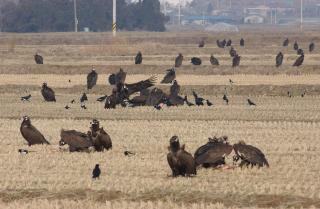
x=96 y=172
x=229 y=42
x=225 y=98
x=69 y=81
x=196 y=61
x=83 y=106
x=128 y=153
x=279 y=59
x=83 y=98
x=300 y=52
x=67 y=107
x=289 y=94
x=138 y=59
x=26 y=98
x=178 y=61
x=311 y=47
x=231 y=81
x=201 y=44
x=213 y=60
x=198 y=100
x=92 y=78
x=187 y=102
x=72 y=101
x=285 y=42
x=47 y=93
x=101 y=99
x=295 y=46
x=23 y=151
x=241 y=42
x=304 y=93
x=221 y=44
x=209 y=103
x=232 y=52
x=251 y=103
x=38 y=59
x=170 y=76
x=236 y=61
x=298 y=61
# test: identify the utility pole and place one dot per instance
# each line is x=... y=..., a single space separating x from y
x=301 y=14
x=114 y=18
x=165 y=7
x=75 y=16
x=179 y=15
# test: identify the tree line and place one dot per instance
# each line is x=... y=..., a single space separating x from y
x=58 y=16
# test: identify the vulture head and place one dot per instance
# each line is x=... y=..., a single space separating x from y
x=174 y=144
x=95 y=125
x=26 y=121
x=44 y=85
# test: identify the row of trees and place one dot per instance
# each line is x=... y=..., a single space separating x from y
x=57 y=15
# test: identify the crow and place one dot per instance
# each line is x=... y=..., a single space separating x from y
x=96 y=172
x=236 y=60
x=187 y=102
x=198 y=100
x=83 y=106
x=225 y=98
x=67 y=107
x=251 y=103
x=138 y=59
x=26 y=98
x=128 y=153
x=209 y=103
x=83 y=98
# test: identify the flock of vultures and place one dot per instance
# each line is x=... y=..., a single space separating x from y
x=181 y=162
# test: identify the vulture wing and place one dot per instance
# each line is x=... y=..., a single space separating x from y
x=169 y=77
x=155 y=97
x=212 y=152
x=251 y=154
x=139 y=86
x=76 y=139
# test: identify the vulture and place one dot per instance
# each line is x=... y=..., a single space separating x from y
x=111 y=101
x=178 y=61
x=295 y=46
x=198 y=100
x=38 y=59
x=196 y=61
x=77 y=141
x=31 y=133
x=251 y=103
x=300 y=52
x=47 y=93
x=180 y=161
x=100 y=139
x=119 y=77
x=83 y=98
x=175 y=88
x=236 y=61
x=279 y=59
x=155 y=97
x=249 y=155
x=138 y=59
x=232 y=52
x=129 y=89
x=298 y=61
x=92 y=78
x=170 y=76
x=221 y=44
x=201 y=44
x=229 y=42
x=241 y=42
x=285 y=42
x=213 y=153
x=213 y=60
x=311 y=47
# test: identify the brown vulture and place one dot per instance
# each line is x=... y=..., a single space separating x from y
x=175 y=88
x=285 y=42
x=232 y=52
x=295 y=46
x=170 y=76
x=111 y=101
x=31 y=133
x=119 y=77
x=213 y=153
x=47 y=93
x=300 y=52
x=180 y=161
x=201 y=43
x=298 y=61
x=156 y=97
x=213 y=60
x=241 y=42
x=311 y=47
x=279 y=59
x=178 y=60
x=38 y=59
x=196 y=61
x=236 y=61
x=76 y=140
x=92 y=78
x=100 y=139
x=229 y=42
x=138 y=59
x=249 y=155
x=221 y=44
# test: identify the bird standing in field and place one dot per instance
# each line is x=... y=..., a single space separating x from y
x=138 y=59
x=236 y=60
x=38 y=59
x=225 y=98
x=170 y=76
x=251 y=103
x=96 y=172
x=279 y=59
x=311 y=47
x=26 y=98
x=285 y=42
x=47 y=93
x=201 y=43
x=198 y=100
x=178 y=60
x=298 y=61
x=295 y=46
x=241 y=42
x=213 y=60
x=196 y=61
x=30 y=133
x=92 y=78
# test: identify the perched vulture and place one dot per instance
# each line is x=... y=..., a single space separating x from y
x=213 y=153
x=175 y=88
x=236 y=61
x=299 y=61
x=155 y=97
x=300 y=52
x=229 y=42
x=232 y=52
x=241 y=42
x=178 y=61
x=47 y=93
x=198 y=100
x=221 y=44
x=180 y=161
x=170 y=76
x=77 y=141
x=295 y=46
x=251 y=103
x=279 y=59
x=138 y=59
x=249 y=155
x=92 y=78
x=285 y=42
x=38 y=59
x=196 y=61
x=30 y=133
x=213 y=60
x=119 y=77
x=201 y=44
x=100 y=139
x=311 y=47
x=111 y=101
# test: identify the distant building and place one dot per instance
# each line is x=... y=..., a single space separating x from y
x=253 y=19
